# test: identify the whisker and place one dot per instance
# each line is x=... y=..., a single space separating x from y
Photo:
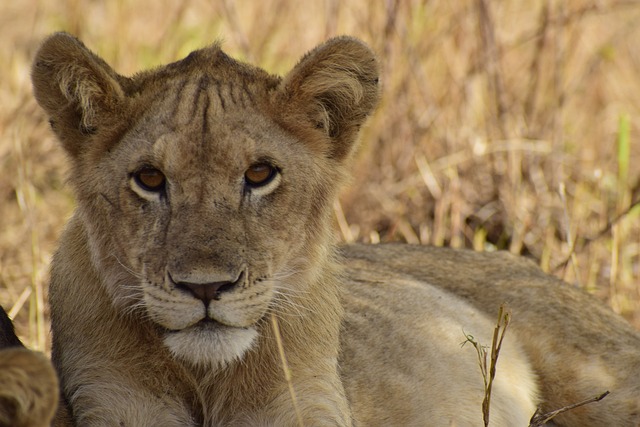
x=127 y=269
x=283 y=300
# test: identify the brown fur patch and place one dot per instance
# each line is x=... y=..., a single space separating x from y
x=28 y=389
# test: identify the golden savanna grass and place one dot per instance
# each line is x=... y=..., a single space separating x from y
x=504 y=125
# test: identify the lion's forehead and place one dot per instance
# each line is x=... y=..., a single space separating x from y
x=192 y=97
x=210 y=86
x=203 y=123
x=194 y=131
x=182 y=153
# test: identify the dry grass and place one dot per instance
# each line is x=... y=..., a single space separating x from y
x=510 y=125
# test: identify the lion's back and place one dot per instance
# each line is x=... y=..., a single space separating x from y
x=408 y=294
x=400 y=334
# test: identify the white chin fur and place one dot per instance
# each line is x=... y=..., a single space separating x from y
x=214 y=346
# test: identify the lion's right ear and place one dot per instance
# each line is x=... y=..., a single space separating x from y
x=76 y=88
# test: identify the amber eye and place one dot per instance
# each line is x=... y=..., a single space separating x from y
x=150 y=179
x=259 y=174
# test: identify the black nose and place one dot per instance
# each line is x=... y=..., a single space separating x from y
x=206 y=292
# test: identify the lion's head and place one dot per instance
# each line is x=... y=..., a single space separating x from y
x=206 y=185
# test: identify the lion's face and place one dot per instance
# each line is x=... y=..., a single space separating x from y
x=206 y=210
x=206 y=186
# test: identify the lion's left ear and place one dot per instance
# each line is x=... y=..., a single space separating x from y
x=335 y=86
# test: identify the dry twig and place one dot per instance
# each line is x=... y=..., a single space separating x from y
x=488 y=375
x=538 y=419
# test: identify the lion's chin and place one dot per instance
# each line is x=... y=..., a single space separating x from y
x=210 y=344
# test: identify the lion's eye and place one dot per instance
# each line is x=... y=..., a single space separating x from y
x=260 y=174
x=150 y=179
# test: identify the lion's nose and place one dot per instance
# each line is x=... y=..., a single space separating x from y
x=207 y=291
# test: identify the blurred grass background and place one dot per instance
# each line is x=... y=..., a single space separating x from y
x=504 y=125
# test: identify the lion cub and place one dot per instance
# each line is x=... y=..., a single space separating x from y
x=201 y=253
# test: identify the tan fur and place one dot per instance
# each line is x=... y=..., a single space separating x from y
x=371 y=334
x=28 y=388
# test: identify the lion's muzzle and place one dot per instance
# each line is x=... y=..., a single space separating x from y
x=206 y=292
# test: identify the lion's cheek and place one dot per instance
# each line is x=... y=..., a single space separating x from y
x=239 y=314
x=172 y=312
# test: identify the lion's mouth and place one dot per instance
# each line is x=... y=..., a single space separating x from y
x=204 y=324
x=208 y=323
